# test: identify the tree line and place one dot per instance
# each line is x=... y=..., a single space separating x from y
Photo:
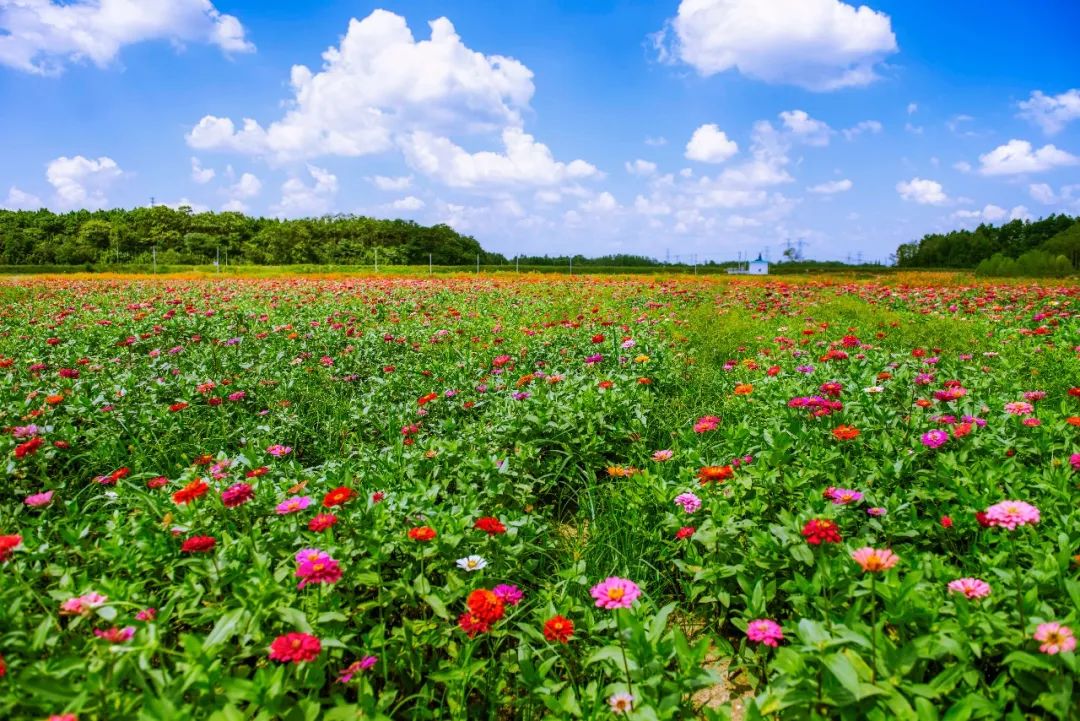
x=180 y=236
x=1046 y=247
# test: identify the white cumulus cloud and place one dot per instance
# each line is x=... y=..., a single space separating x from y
x=831 y=187
x=820 y=45
x=1051 y=112
x=640 y=167
x=21 y=200
x=806 y=129
x=43 y=36
x=82 y=182
x=298 y=198
x=409 y=202
x=864 y=126
x=200 y=174
x=383 y=182
x=922 y=191
x=710 y=144
x=1018 y=156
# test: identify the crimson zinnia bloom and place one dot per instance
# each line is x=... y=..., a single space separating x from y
x=256 y=472
x=295 y=648
x=191 y=491
x=175 y=407
x=338 y=496
x=29 y=448
x=490 y=525
x=485 y=606
x=7 y=545
x=715 y=474
x=321 y=522
x=423 y=534
x=237 y=494
x=198 y=544
x=472 y=625
x=821 y=530
x=558 y=629
x=685 y=532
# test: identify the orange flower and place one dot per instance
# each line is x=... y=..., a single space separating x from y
x=845 y=433
x=558 y=629
x=337 y=496
x=715 y=474
x=1073 y=420
x=423 y=534
x=485 y=606
x=524 y=380
x=744 y=389
x=923 y=403
x=54 y=399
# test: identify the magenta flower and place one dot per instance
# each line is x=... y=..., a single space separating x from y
x=510 y=595
x=1010 y=514
x=935 y=438
x=970 y=587
x=346 y=674
x=764 y=631
x=615 y=592
x=116 y=635
x=876 y=511
x=83 y=604
x=843 y=496
x=1055 y=638
x=688 y=501
x=315 y=566
x=38 y=500
x=237 y=494
x=277 y=450
x=294 y=504
x=1074 y=459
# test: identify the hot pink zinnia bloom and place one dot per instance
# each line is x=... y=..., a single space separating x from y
x=294 y=504
x=970 y=587
x=1055 y=638
x=237 y=494
x=1074 y=459
x=116 y=635
x=843 y=496
x=1019 y=408
x=874 y=560
x=688 y=501
x=510 y=595
x=37 y=500
x=764 y=631
x=935 y=438
x=1010 y=514
x=277 y=450
x=82 y=604
x=615 y=592
x=346 y=674
x=316 y=567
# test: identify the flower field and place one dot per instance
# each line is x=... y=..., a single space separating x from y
x=525 y=498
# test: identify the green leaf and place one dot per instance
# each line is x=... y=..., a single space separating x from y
x=224 y=629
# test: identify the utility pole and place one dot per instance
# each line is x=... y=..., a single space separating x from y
x=571 y=265
x=155 y=260
x=217 y=259
x=429 y=263
x=151 y=201
x=517 y=264
x=376 y=259
x=478 y=264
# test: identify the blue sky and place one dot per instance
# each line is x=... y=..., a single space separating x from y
x=707 y=127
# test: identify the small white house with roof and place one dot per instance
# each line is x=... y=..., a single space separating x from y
x=758 y=266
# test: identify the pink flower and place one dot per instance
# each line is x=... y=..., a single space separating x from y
x=935 y=438
x=510 y=595
x=970 y=587
x=83 y=604
x=843 y=496
x=1074 y=459
x=1055 y=638
x=116 y=635
x=706 y=424
x=875 y=560
x=1010 y=514
x=292 y=505
x=38 y=500
x=1019 y=408
x=277 y=450
x=688 y=501
x=346 y=674
x=876 y=511
x=764 y=631
x=237 y=494
x=664 y=455
x=315 y=566
x=147 y=614
x=615 y=592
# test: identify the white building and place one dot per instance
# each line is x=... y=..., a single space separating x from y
x=758 y=266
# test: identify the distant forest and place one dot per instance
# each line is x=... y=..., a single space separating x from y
x=183 y=237
x=1047 y=247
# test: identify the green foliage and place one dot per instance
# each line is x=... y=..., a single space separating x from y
x=1055 y=234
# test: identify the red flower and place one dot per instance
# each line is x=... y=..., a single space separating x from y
x=321 y=522
x=982 y=519
x=845 y=433
x=946 y=522
x=423 y=534
x=471 y=625
x=295 y=648
x=715 y=474
x=175 y=407
x=485 y=606
x=3 y=667
x=7 y=545
x=191 y=491
x=338 y=496
x=377 y=497
x=558 y=629
x=424 y=400
x=1074 y=392
x=256 y=472
x=490 y=525
x=685 y=532
x=961 y=430
x=157 y=482
x=29 y=448
x=237 y=494
x=821 y=530
x=198 y=544
x=598 y=338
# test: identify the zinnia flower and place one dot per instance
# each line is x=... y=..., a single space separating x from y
x=237 y=494
x=821 y=530
x=295 y=648
x=688 y=501
x=422 y=534
x=764 y=631
x=471 y=563
x=191 y=491
x=935 y=438
x=338 y=496
x=558 y=629
x=277 y=450
x=485 y=606
x=874 y=560
x=843 y=496
x=1055 y=638
x=1010 y=514
x=490 y=525
x=198 y=544
x=292 y=505
x=321 y=522
x=39 y=500
x=346 y=674
x=845 y=433
x=621 y=703
x=7 y=545
x=714 y=474
x=116 y=635
x=970 y=587
x=663 y=455
x=685 y=532
x=615 y=592
x=511 y=595
x=315 y=566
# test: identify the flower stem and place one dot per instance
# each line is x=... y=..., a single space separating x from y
x=1019 y=589
x=622 y=647
x=873 y=628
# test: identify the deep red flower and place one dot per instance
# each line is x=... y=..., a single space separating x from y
x=983 y=520
x=28 y=448
x=237 y=494
x=295 y=648
x=198 y=544
x=558 y=629
x=191 y=491
x=377 y=497
x=472 y=625
x=7 y=545
x=821 y=530
x=321 y=522
x=338 y=496
x=715 y=474
x=598 y=338
x=175 y=407
x=490 y=525
x=946 y=522
x=685 y=532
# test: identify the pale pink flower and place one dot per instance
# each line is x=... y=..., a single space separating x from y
x=1019 y=408
x=875 y=560
x=1010 y=514
x=663 y=455
x=82 y=604
x=688 y=501
x=970 y=587
x=1055 y=638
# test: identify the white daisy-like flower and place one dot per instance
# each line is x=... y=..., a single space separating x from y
x=471 y=563
x=874 y=389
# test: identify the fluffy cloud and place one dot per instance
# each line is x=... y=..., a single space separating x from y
x=247 y=187
x=524 y=162
x=831 y=187
x=1051 y=112
x=299 y=198
x=409 y=202
x=200 y=174
x=992 y=214
x=1042 y=193
x=603 y=203
x=1018 y=156
x=380 y=81
x=865 y=126
x=709 y=144
x=81 y=182
x=806 y=129
x=923 y=192
x=21 y=200
x=640 y=167
x=42 y=36
x=399 y=183
x=816 y=44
